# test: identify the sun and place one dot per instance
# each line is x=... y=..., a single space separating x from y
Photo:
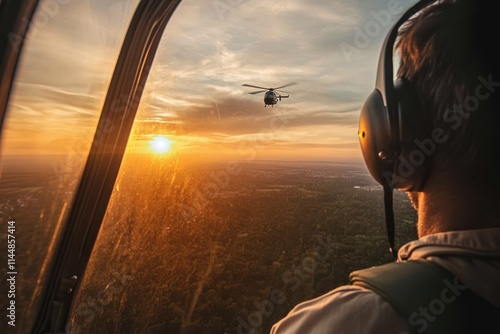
x=161 y=144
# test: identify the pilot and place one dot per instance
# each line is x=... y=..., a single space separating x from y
x=448 y=55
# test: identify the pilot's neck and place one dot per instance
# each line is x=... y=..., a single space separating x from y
x=451 y=206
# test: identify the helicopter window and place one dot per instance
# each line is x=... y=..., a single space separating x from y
x=225 y=214
x=66 y=65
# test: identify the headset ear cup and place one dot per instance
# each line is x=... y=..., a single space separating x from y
x=400 y=158
x=413 y=165
x=374 y=134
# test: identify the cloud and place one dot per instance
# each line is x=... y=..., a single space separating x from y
x=62 y=78
x=195 y=86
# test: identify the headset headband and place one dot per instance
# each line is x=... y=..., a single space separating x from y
x=384 y=83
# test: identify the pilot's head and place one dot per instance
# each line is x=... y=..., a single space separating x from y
x=448 y=53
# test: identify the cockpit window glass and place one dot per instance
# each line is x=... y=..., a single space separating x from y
x=67 y=61
x=227 y=212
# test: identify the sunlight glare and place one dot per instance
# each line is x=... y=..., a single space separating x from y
x=161 y=144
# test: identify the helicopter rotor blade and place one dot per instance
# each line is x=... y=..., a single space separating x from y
x=255 y=86
x=287 y=85
x=281 y=91
x=259 y=91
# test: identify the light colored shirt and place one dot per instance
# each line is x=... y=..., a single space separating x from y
x=473 y=256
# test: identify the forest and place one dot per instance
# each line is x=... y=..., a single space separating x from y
x=230 y=247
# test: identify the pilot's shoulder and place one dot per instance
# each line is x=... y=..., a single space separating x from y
x=346 y=309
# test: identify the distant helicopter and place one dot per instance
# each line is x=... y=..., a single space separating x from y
x=271 y=97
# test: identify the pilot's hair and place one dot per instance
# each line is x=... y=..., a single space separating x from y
x=447 y=52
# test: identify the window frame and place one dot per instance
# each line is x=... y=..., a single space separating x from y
x=108 y=147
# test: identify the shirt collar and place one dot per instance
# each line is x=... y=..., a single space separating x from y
x=474 y=243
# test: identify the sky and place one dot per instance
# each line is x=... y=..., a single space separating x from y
x=194 y=94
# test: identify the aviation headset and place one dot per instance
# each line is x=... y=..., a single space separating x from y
x=391 y=120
